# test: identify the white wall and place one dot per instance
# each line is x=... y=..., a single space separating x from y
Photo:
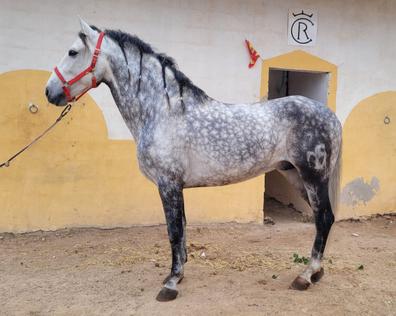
x=206 y=38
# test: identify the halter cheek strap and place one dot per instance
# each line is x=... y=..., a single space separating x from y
x=90 y=69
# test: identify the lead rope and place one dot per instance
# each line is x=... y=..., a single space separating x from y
x=65 y=111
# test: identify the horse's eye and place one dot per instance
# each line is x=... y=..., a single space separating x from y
x=72 y=53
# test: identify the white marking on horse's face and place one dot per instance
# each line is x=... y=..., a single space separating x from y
x=77 y=58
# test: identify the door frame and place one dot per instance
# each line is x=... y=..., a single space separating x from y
x=299 y=60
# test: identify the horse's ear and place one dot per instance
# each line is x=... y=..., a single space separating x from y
x=86 y=29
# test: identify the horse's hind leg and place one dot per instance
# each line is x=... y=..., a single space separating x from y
x=318 y=194
x=172 y=200
x=292 y=176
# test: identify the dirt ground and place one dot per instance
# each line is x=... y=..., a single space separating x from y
x=233 y=269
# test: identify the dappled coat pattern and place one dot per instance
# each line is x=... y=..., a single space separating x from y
x=186 y=139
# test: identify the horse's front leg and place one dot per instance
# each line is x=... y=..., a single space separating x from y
x=172 y=199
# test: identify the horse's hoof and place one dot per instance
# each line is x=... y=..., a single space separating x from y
x=317 y=276
x=170 y=276
x=166 y=295
x=300 y=284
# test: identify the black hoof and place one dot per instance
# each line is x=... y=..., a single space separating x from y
x=169 y=276
x=317 y=276
x=166 y=295
x=300 y=284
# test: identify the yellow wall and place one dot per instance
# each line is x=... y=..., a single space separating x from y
x=369 y=157
x=76 y=176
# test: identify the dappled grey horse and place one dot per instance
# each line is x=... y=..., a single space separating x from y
x=186 y=139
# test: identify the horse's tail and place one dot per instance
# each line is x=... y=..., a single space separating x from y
x=335 y=183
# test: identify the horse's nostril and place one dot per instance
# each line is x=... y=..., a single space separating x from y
x=46 y=92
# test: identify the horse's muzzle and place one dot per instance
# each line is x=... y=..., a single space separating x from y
x=58 y=99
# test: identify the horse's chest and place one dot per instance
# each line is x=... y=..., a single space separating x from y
x=161 y=154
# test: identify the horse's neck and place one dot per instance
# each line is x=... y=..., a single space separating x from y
x=151 y=100
x=138 y=103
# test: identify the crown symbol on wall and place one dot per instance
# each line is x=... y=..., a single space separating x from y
x=302 y=13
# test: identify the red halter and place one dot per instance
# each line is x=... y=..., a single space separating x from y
x=67 y=84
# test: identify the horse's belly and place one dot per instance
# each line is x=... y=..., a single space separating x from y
x=206 y=171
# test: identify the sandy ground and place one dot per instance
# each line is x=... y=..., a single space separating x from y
x=233 y=269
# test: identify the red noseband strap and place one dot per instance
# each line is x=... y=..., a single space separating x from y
x=90 y=69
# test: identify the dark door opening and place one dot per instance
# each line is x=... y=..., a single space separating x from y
x=281 y=83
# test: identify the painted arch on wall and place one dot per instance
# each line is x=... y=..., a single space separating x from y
x=369 y=157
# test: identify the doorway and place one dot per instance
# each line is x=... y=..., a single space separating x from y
x=281 y=83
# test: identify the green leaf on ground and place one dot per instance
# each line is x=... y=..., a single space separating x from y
x=298 y=259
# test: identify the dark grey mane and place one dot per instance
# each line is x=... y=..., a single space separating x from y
x=123 y=38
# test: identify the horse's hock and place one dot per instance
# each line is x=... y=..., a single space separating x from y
x=76 y=176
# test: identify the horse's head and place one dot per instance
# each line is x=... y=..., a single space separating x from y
x=79 y=70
